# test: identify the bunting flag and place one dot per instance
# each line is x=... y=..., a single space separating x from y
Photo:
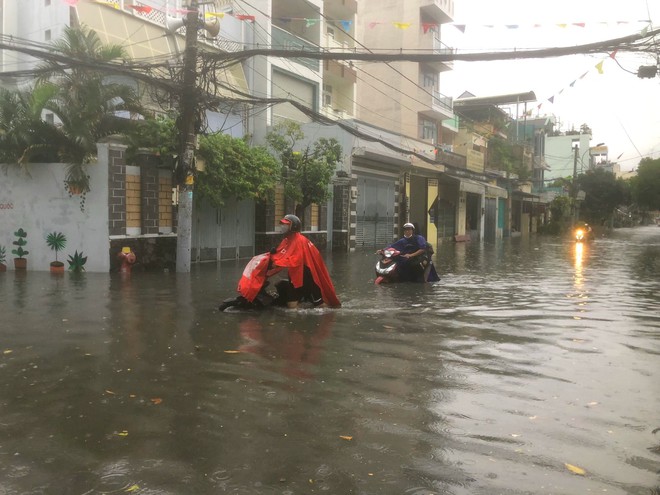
x=218 y=15
x=374 y=24
x=244 y=17
x=346 y=25
x=426 y=26
x=70 y=2
x=460 y=27
x=144 y=9
x=599 y=67
x=401 y=25
x=311 y=22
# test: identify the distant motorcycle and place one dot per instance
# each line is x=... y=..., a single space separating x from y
x=583 y=234
x=392 y=268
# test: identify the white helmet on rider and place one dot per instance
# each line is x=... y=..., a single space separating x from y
x=406 y=226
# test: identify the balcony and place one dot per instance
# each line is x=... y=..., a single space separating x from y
x=440 y=107
x=284 y=40
x=439 y=48
x=442 y=11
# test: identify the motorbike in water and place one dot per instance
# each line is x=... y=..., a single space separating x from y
x=583 y=234
x=255 y=291
x=392 y=267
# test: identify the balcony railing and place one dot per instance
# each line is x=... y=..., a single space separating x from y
x=440 y=48
x=285 y=40
x=442 y=101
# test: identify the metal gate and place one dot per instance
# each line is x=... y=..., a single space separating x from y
x=223 y=233
x=375 y=212
x=490 y=220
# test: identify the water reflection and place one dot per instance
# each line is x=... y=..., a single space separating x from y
x=298 y=350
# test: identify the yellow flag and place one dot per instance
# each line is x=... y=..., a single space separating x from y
x=402 y=25
x=219 y=15
x=599 y=67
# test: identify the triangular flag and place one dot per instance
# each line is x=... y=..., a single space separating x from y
x=311 y=22
x=244 y=17
x=645 y=31
x=551 y=99
x=579 y=24
x=70 y=2
x=562 y=25
x=599 y=67
x=401 y=25
x=460 y=27
x=572 y=84
x=428 y=25
x=145 y=9
x=219 y=15
x=346 y=25
x=512 y=26
x=585 y=74
x=373 y=24
x=613 y=54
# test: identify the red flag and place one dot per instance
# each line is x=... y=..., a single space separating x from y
x=145 y=9
x=244 y=17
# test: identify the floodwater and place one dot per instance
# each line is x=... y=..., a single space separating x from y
x=531 y=368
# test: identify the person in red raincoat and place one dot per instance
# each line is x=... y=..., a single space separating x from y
x=308 y=276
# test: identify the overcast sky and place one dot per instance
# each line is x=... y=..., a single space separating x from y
x=622 y=110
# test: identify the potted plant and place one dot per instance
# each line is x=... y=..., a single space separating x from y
x=56 y=241
x=20 y=263
x=3 y=257
x=77 y=262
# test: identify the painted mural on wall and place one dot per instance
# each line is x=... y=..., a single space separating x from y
x=37 y=205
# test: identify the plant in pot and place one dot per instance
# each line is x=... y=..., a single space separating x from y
x=20 y=262
x=56 y=241
x=77 y=262
x=3 y=258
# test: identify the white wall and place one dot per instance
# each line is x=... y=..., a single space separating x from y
x=39 y=204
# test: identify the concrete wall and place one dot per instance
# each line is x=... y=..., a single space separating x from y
x=39 y=204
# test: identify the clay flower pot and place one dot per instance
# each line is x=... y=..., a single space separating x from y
x=56 y=267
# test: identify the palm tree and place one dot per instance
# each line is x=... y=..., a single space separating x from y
x=86 y=103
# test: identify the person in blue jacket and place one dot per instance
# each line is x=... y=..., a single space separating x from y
x=415 y=256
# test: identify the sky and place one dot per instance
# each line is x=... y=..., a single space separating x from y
x=622 y=110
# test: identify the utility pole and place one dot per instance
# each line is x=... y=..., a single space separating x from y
x=187 y=143
x=574 y=185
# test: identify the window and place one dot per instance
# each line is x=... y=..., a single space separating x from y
x=429 y=80
x=429 y=130
x=327 y=95
x=47 y=35
x=330 y=31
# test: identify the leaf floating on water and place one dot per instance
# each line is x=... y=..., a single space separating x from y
x=156 y=400
x=345 y=437
x=110 y=392
x=132 y=488
x=594 y=403
x=575 y=469
x=122 y=433
x=388 y=327
x=7 y=351
x=232 y=352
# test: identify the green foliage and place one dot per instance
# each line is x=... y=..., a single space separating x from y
x=233 y=169
x=307 y=173
x=77 y=262
x=560 y=208
x=645 y=187
x=502 y=155
x=159 y=135
x=3 y=255
x=604 y=192
x=20 y=241
x=56 y=241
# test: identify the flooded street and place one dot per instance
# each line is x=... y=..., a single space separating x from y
x=530 y=368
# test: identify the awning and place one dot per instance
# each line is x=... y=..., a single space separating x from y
x=525 y=196
x=496 y=191
x=468 y=185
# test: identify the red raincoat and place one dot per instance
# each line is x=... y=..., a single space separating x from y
x=295 y=252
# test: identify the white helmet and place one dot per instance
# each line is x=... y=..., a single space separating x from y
x=408 y=225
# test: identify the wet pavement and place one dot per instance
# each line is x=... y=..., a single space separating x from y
x=530 y=368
